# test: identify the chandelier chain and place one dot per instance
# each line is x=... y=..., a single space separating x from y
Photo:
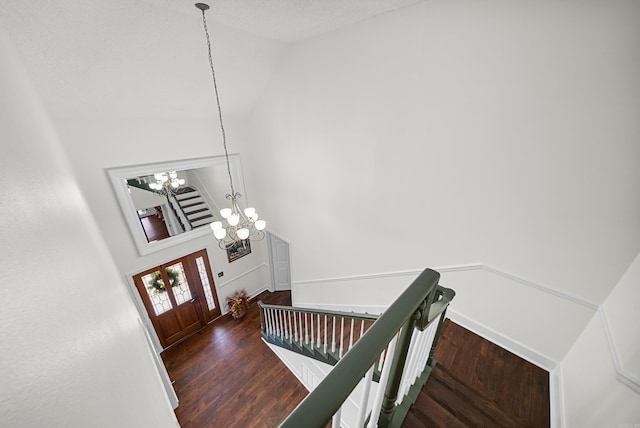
x=215 y=88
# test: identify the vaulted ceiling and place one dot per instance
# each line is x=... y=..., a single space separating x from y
x=137 y=58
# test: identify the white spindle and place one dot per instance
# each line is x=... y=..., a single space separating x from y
x=312 y=336
x=382 y=385
x=364 y=399
x=267 y=324
x=335 y=421
x=325 y=334
x=300 y=324
x=318 y=341
x=283 y=315
x=351 y=335
x=306 y=329
x=272 y=321
x=290 y=327
x=295 y=328
x=333 y=336
x=341 y=337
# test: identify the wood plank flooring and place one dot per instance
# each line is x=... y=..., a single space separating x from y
x=226 y=376
x=478 y=384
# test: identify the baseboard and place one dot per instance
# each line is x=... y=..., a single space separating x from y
x=556 y=401
x=504 y=342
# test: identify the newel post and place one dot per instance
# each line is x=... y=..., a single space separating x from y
x=261 y=310
x=397 y=367
x=432 y=352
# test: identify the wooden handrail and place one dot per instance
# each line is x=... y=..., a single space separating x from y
x=413 y=308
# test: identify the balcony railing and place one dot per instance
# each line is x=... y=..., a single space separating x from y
x=398 y=348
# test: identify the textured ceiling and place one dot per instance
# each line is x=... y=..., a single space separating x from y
x=146 y=58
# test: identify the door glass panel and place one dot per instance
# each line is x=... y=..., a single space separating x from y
x=204 y=278
x=179 y=283
x=157 y=292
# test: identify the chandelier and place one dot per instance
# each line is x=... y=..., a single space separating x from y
x=237 y=224
x=167 y=183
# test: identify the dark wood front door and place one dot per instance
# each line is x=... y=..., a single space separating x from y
x=179 y=296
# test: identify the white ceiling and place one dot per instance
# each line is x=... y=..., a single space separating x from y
x=287 y=20
x=132 y=58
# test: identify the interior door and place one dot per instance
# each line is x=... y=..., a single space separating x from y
x=280 y=262
x=179 y=296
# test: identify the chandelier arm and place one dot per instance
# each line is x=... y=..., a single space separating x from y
x=215 y=88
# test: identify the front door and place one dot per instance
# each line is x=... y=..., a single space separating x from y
x=179 y=296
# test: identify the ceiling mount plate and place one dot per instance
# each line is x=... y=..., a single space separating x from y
x=202 y=6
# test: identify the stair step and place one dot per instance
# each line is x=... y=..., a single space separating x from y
x=188 y=203
x=467 y=405
x=191 y=209
x=431 y=414
x=203 y=221
x=412 y=421
x=187 y=194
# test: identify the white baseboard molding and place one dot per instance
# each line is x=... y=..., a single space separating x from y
x=556 y=401
x=510 y=345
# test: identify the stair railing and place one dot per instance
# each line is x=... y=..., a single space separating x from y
x=420 y=307
x=322 y=335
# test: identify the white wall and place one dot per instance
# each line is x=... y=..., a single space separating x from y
x=72 y=350
x=623 y=317
x=457 y=132
x=116 y=99
x=495 y=133
x=592 y=395
x=601 y=379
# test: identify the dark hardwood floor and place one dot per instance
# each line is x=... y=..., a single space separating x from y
x=478 y=384
x=226 y=376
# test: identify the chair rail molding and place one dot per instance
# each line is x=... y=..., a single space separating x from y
x=534 y=357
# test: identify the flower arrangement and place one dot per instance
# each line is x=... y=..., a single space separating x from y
x=156 y=284
x=237 y=303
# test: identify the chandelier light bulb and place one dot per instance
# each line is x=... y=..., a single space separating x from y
x=173 y=174
x=220 y=233
x=249 y=212
x=260 y=224
x=216 y=225
x=243 y=233
x=233 y=219
x=225 y=212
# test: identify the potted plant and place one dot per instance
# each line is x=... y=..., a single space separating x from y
x=238 y=303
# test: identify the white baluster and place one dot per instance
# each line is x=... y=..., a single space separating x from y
x=364 y=399
x=290 y=330
x=318 y=341
x=306 y=329
x=283 y=315
x=333 y=336
x=325 y=334
x=382 y=385
x=295 y=328
x=278 y=326
x=335 y=421
x=300 y=324
x=351 y=335
x=312 y=337
x=341 y=337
